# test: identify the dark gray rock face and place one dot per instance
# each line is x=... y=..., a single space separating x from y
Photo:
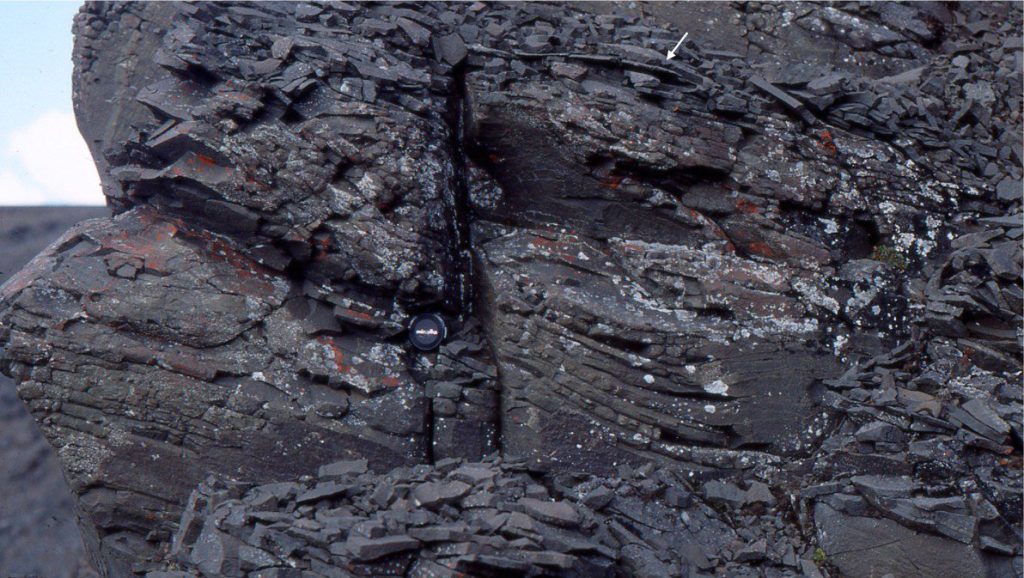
x=214 y=401
x=784 y=273
x=38 y=531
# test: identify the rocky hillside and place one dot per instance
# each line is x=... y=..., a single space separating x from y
x=751 y=310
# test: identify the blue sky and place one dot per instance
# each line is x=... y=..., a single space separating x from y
x=43 y=159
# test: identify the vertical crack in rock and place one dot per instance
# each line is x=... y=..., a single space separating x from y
x=461 y=381
x=459 y=285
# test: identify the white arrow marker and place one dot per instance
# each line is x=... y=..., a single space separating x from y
x=672 y=53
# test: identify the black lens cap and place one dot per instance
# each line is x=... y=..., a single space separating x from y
x=427 y=331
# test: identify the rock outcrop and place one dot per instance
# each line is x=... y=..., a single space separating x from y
x=778 y=275
x=38 y=533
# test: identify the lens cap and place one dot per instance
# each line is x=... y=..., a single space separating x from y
x=427 y=331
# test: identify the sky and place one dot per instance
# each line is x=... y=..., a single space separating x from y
x=43 y=158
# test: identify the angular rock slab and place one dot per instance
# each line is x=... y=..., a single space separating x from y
x=861 y=547
x=153 y=355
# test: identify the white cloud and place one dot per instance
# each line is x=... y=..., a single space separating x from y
x=13 y=191
x=46 y=162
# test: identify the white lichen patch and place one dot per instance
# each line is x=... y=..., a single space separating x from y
x=813 y=294
x=831 y=227
x=911 y=243
x=839 y=343
x=81 y=455
x=717 y=387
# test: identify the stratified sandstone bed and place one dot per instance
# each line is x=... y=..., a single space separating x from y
x=775 y=280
